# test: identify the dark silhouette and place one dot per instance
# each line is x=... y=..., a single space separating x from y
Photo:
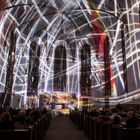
x=132 y=120
x=6 y=122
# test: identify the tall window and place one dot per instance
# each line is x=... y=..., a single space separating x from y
x=33 y=74
x=60 y=63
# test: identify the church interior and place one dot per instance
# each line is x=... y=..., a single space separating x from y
x=67 y=55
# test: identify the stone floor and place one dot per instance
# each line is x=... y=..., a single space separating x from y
x=62 y=128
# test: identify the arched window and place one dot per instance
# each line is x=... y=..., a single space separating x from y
x=33 y=72
x=60 y=65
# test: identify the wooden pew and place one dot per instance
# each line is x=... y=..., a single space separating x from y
x=17 y=134
x=116 y=132
x=106 y=131
x=130 y=133
x=92 y=128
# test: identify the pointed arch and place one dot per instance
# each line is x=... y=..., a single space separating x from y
x=60 y=66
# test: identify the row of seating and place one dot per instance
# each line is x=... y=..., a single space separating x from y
x=33 y=132
x=96 y=129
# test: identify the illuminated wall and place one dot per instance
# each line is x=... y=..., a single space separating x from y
x=72 y=24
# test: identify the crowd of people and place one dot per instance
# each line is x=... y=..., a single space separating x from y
x=12 y=118
x=128 y=117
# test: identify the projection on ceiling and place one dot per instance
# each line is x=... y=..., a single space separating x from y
x=87 y=47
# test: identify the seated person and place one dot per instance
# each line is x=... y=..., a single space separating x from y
x=115 y=117
x=131 y=121
x=6 y=122
x=116 y=120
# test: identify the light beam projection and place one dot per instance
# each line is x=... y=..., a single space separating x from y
x=60 y=30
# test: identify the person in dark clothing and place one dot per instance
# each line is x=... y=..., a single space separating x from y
x=116 y=120
x=131 y=121
x=6 y=122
